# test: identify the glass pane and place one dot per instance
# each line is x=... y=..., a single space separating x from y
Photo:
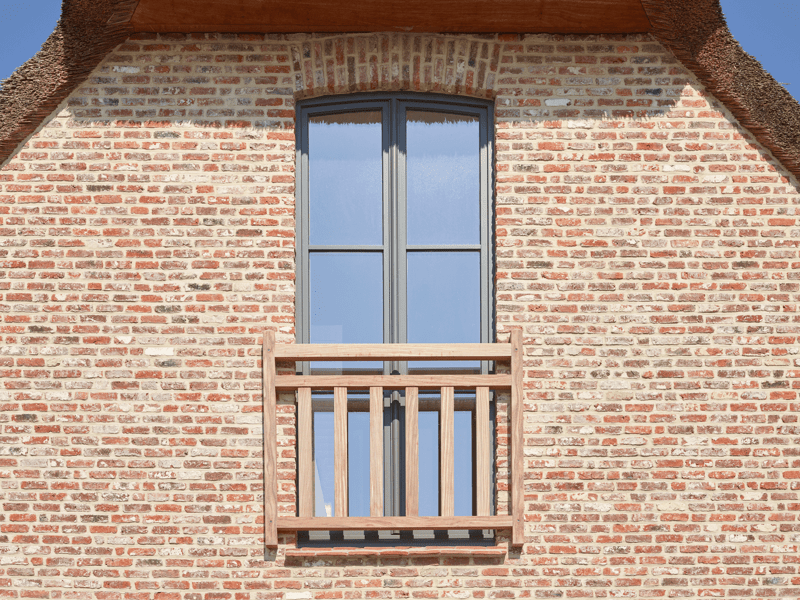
x=444 y=303
x=442 y=178
x=462 y=477
x=358 y=463
x=344 y=180
x=444 y=297
x=346 y=301
x=323 y=465
x=428 y=463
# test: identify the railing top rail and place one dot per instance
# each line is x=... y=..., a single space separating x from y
x=385 y=352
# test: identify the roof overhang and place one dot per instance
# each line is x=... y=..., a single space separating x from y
x=694 y=30
x=464 y=16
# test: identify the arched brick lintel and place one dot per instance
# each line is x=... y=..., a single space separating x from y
x=346 y=64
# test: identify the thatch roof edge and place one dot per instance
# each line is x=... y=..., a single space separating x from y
x=696 y=32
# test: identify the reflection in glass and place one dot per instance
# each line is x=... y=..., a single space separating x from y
x=444 y=297
x=323 y=465
x=345 y=175
x=358 y=463
x=442 y=178
x=428 y=463
x=462 y=477
x=346 y=300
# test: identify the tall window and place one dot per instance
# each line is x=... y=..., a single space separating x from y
x=393 y=246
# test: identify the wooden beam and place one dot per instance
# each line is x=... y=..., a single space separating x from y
x=383 y=352
x=269 y=408
x=376 y=451
x=340 y=451
x=468 y=16
x=517 y=457
x=394 y=382
x=412 y=452
x=399 y=523
x=305 y=459
x=446 y=454
x=483 y=452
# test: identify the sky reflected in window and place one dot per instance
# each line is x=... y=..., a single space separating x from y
x=443 y=178
x=345 y=178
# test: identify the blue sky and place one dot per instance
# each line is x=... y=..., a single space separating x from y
x=767 y=29
x=24 y=26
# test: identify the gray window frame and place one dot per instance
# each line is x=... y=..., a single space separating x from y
x=394 y=247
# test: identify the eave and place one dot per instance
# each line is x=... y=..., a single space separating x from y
x=450 y=16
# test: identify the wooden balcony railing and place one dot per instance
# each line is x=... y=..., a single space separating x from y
x=340 y=384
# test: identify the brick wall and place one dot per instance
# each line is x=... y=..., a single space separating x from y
x=647 y=246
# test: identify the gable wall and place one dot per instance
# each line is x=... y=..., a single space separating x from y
x=644 y=243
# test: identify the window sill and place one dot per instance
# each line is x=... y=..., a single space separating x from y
x=473 y=551
x=398 y=523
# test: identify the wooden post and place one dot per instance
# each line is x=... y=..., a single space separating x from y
x=412 y=452
x=305 y=460
x=517 y=458
x=269 y=407
x=340 y=451
x=376 y=451
x=446 y=454
x=483 y=452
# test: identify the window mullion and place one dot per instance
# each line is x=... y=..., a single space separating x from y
x=388 y=227
x=401 y=231
x=397 y=304
x=397 y=227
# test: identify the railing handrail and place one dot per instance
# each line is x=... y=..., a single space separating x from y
x=376 y=383
x=390 y=352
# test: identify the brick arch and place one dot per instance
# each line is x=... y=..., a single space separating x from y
x=344 y=64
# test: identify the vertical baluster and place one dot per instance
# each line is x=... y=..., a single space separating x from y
x=483 y=452
x=446 y=454
x=412 y=452
x=340 y=450
x=270 y=441
x=305 y=466
x=517 y=496
x=376 y=451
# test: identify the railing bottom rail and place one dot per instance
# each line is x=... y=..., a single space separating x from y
x=392 y=523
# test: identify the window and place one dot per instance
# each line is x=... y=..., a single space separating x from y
x=394 y=247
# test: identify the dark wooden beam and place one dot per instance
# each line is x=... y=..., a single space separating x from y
x=478 y=16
